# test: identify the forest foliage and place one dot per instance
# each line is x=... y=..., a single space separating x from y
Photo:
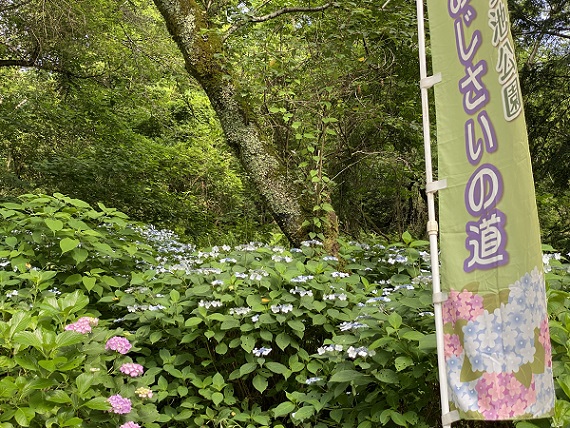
x=97 y=104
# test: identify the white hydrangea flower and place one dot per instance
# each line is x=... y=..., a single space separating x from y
x=210 y=304
x=261 y=352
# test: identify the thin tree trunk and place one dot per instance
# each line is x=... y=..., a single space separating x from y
x=186 y=22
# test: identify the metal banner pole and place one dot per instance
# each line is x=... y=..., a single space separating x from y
x=432 y=226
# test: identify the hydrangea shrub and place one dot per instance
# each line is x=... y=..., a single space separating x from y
x=109 y=324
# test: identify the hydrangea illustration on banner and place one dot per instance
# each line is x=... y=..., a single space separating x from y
x=498 y=354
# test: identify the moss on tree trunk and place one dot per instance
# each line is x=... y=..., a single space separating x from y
x=186 y=21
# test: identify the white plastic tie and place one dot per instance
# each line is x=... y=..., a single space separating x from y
x=428 y=82
x=439 y=297
x=434 y=186
x=450 y=417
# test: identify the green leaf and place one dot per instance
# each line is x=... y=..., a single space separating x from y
x=89 y=282
x=247 y=368
x=11 y=241
x=217 y=398
x=428 y=342
x=412 y=335
x=296 y=325
x=28 y=338
x=26 y=361
x=24 y=416
x=283 y=340
x=278 y=368
x=385 y=416
x=248 y=343
x=68 y=338
x=526 y=424
x=221 y=348
x=347 y=376
x=229 y=323
x=19 y=321
x=303 y=413
x=75 y=421
x=399 y=419
x=49 y=365
x=59 y=396
x=218 y=382
x=73 y=279
x=260 y=383
x=68 y=244
x=155 y=336
x=84 y=382
x=403 y=362
x=283 y=409
x=79 y=255
x=336 y=415
x=399 y=279
x=387 y=376
x=193 y=322
x=97 y=403
x=564 y=382
x=54 y=224
x=395 y=320
x=174 y=296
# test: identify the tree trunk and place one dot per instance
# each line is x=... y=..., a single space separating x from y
x=187 y=23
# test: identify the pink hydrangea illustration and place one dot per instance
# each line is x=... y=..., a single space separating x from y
x=462 y=305
x=132 y=369
x=130 y=425
x=119 y=405
x=452 y=346
x=502 y=396
x=544 y=339
x=83 y=325
x=119 y=344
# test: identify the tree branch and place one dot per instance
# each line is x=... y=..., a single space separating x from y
x=16 y=63
x=32 y=63
x=557 y=34
x=285 y=10
x=277 y=13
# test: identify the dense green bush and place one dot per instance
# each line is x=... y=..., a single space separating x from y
x=251 y=336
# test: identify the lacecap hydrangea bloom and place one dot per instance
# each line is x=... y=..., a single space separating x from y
x=119 y=344
x=119 y=405
x=132 y=369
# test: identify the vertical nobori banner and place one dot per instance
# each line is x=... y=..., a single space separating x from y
x=497 y=344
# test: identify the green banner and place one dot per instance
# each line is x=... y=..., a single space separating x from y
x=497 y=344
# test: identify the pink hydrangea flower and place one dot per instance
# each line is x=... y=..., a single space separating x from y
x=119 y=405
x=119 y=344
x=132 y=369
x=130 y=425
x=143 y=392
x=83 y=325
